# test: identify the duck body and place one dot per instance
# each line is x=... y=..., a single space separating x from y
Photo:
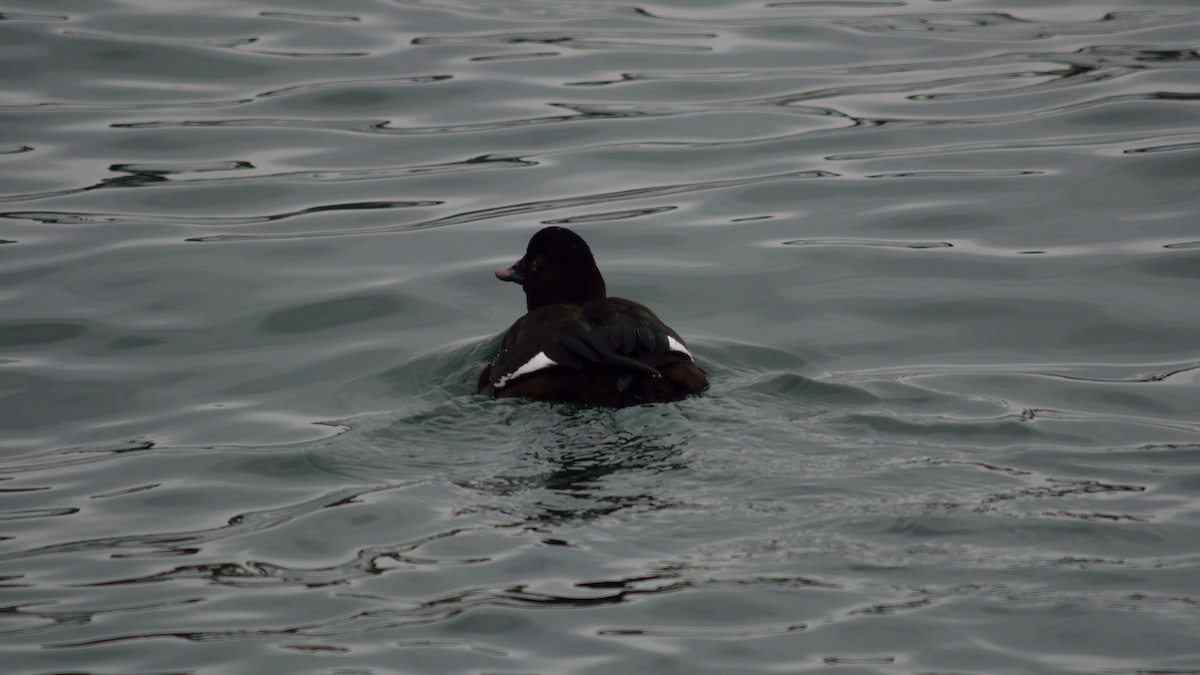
x=576 y=344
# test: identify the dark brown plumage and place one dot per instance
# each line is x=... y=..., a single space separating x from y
x=578 y=345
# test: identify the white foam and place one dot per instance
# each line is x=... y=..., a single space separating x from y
x=539 y=362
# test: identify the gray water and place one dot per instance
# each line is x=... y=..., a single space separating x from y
x=941 y=260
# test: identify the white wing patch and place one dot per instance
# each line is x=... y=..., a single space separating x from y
x=539 y=362
x=674 y=345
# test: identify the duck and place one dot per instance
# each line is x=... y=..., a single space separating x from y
x=577 y=344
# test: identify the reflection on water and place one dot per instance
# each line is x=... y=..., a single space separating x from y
x=938 y=260
x=581 y=469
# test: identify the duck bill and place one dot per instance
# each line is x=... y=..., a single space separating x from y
x=510 y=274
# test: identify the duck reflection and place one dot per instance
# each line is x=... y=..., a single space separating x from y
x=592 y=463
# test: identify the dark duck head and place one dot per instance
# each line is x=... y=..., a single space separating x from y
x=558 y=267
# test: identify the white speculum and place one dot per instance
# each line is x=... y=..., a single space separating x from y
x=674 y=345
x=540 y=362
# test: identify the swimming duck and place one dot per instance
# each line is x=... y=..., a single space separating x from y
x=578 y=344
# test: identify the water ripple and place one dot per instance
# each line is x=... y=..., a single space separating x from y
x=161 y=175
x=58 y=619
x=388 y=128
x=318 y=18
x=1009 y=27
x=214 y=43
x=290 y=90
x=1089 y=141
x=26 y=16
x=598 y=40
x=533 y=207
x=221 y=43
x=185 y=542
x=529 y=9
x=66 y=218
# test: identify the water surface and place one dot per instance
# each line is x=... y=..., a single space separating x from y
x=939 y=258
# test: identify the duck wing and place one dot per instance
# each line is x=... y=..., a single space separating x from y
x=609 y=333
